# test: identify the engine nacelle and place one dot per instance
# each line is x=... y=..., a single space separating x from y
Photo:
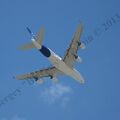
x=78 y=59
x=82 y=45
x=39 y=81
x=55 y=80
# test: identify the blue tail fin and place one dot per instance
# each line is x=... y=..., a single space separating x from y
x=28 y=29
x=30 y=32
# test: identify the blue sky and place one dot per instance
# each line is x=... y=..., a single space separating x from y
x=98 y=98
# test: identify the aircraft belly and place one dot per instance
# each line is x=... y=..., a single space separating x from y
x=68 y=71
x=60 y=65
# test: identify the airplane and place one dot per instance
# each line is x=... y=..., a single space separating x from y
x=61 y=66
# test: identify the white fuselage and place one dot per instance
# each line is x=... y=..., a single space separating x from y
x=60 y=65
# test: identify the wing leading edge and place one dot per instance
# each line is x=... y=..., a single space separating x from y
x=69 y=57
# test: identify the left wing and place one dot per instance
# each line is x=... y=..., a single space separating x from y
x=48 y=72
x=69 y=57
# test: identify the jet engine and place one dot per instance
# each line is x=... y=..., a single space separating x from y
x=78 y=59
x=81 y=45
x=39 y=81
x=54 y=79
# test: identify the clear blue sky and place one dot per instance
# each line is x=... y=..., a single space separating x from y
x=99 y=98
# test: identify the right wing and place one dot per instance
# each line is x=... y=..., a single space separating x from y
x=69 y=57
x=48 y=72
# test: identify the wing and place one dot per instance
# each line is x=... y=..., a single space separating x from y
x=48 y=72
x=69 y=56
x=26 y=46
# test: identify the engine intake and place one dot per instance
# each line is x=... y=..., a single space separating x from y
x=78 y=59
x=54 y=79
x=81 y=45
x=39 y=81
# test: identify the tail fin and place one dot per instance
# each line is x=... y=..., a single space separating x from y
x=38 y=38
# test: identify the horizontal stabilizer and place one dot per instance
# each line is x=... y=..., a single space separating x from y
x=26 y=46
x=38 y=39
